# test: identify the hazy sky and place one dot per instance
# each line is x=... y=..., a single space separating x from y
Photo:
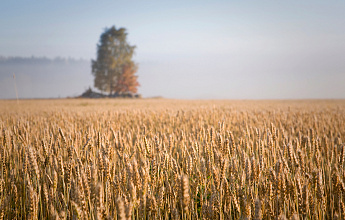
x=195 y=49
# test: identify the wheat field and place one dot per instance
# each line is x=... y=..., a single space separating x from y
x=172 y=159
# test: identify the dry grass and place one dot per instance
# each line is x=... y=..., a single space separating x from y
x=170 y=159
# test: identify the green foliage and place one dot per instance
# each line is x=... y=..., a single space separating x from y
x=114 y=56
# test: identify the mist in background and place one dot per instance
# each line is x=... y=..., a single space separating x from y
x=43 y=78
x=185 y=49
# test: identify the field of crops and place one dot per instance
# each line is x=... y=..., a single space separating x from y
x=172 y=159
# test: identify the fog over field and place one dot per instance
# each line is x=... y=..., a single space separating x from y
x=43 y=77
x=57 y=78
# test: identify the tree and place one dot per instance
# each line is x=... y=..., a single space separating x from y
x=114 y=68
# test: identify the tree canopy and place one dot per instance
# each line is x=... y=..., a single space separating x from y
x=114 y=70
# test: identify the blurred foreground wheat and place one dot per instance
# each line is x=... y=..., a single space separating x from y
x=165 y=159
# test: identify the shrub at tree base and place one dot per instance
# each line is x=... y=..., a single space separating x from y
x=92 y=94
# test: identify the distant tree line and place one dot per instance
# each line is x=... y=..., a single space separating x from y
x=38 y=60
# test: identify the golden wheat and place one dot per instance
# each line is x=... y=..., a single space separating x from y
x=171 y=159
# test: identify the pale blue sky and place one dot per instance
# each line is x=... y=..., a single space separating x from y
x=194 y=49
